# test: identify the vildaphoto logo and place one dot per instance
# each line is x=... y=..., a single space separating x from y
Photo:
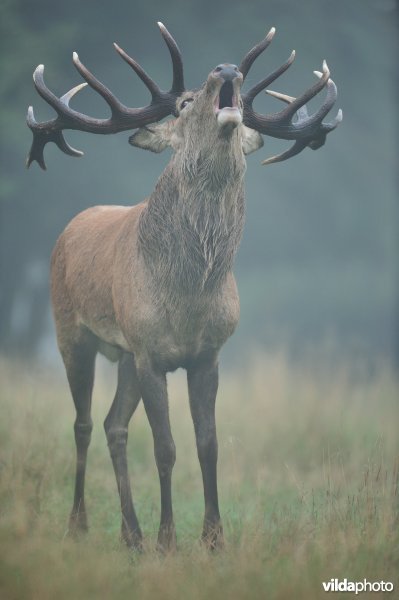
x=344 y=585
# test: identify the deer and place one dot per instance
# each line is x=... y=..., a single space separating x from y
x=151 y=286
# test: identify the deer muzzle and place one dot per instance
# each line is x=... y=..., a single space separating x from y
x=227 y=101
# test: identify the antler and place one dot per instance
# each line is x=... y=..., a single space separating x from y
x=305 y=130
x=122 y=118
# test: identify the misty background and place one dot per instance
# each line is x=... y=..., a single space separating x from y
x=318 y=265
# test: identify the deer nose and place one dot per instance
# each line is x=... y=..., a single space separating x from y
x=227 y=72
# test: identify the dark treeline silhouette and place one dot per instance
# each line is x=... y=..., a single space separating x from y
x=319 y=256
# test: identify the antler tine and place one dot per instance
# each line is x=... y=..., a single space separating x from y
x=284 y=97
x=292 y=108
x=45 y=92
x=293 y=151
x=329 y=101
x=177 y=65
x=335 y=122
x=253 y=54
x=138 y=69
x=66 y=97
x=122 y=118
x=301 y=112
x=249 y=96
x=114 y=104
x=177 y=62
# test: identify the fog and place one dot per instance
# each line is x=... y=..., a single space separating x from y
x=317 y=268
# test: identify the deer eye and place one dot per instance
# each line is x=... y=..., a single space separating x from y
x=185 y=102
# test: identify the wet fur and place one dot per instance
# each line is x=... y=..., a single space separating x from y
x=151 y=286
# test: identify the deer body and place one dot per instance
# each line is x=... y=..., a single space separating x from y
x=151 y=286
x=156 y=278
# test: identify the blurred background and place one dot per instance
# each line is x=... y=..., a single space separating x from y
x=318 y=265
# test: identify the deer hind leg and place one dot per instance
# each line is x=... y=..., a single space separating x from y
x=202 y=377
x=154 y=393
x=116 y=425
x=79 y=359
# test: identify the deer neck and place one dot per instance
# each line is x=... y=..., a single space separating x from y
x=191 y=229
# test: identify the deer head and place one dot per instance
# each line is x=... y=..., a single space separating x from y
x=216 y=112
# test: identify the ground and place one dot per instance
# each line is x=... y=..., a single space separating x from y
x=308 y=478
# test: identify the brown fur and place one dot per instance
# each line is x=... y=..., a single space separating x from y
x=151 y=286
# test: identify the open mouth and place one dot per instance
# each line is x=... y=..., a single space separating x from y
x=226 y=108
x=226 y=98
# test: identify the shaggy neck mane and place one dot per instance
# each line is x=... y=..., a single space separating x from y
x=191 y=229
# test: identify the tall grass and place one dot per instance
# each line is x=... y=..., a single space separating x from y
x=308 y=477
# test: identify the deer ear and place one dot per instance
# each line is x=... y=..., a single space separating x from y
x=251 y=140
x=154 y=137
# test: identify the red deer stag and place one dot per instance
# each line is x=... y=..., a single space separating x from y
x=151 y=286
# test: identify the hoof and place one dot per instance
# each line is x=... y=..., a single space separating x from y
x=212 y=537
x=133 y=539
x=167 y=539
x=78 y=525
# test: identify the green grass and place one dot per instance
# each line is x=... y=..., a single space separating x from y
x=308 y=477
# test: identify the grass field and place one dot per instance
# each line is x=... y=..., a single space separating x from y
x=308 y=478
